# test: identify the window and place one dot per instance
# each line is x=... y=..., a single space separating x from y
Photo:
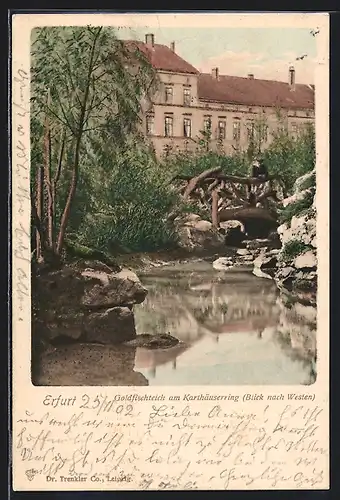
x=250 y=129
x=207 y=125
x=236 y=130
x=168 y=132
x=186 y=97
x=169 y=93
x=187 y=127
x=221 y=129
x=150 y=121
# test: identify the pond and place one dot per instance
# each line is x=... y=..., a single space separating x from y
x=234 y=329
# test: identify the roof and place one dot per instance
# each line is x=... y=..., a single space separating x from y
x=239 y=90
x=163 y=58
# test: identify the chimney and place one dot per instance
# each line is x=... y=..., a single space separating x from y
x=172 y=46
x=214 y=73
x=292 y=77
x=150 y=39
x=251 y=76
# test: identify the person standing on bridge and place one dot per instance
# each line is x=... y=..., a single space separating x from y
x=258 y=171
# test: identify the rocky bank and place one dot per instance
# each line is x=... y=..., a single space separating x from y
x=288 y=255
x=85 y=306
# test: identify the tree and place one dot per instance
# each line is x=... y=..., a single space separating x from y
x=87 y=88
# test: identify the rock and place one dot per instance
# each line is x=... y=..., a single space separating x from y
x=260 y=274
x=202 y=225
x=232 y=224
x=64 y=302
x=157 y=341
x=300 y=182
x=286 y=271
x=223 y=263
x=234 y=232
x=298 y=196
x=306 y=260
x=188 y=218
x=265 y=262
x=64 y=326
x=242 y=251
x=274 y=240
x=299 y=242
x=123 y=288
x=257 y=243
x=191 y=238
x=301 y=228
x=112 y=326
x=248 y=258
x=265 y=266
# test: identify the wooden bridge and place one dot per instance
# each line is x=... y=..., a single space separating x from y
x=230 y=197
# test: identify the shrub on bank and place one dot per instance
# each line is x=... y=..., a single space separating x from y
x=292 y=249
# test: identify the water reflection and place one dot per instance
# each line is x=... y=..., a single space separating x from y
x=89 y=364
x=235 y=329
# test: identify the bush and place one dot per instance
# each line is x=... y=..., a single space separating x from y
x=131 y=208
x=292 y=249
x=291 y=157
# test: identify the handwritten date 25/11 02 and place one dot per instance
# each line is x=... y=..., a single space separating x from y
x=101 y=403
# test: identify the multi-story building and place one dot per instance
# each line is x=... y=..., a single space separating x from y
x=229 y=110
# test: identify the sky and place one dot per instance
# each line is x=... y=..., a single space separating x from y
x=265 y=52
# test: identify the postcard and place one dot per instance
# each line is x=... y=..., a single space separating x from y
x=170 y=236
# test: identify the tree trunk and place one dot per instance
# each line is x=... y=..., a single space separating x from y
x=57 y=174
x=80 y=130
x=37 y=213
x=47 y=178
x=214 y=208
x=70 y=197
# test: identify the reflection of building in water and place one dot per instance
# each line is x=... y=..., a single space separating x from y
x=239 y=314
x=191 y=312
x=243 y=304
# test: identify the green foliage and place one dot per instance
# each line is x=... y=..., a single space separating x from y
x=291 y=157
x=298 y=208
x=87 y=93
x=133 y=208
x=194 y=163
x=292 y=249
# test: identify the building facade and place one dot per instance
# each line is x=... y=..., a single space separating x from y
x=228 y=111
